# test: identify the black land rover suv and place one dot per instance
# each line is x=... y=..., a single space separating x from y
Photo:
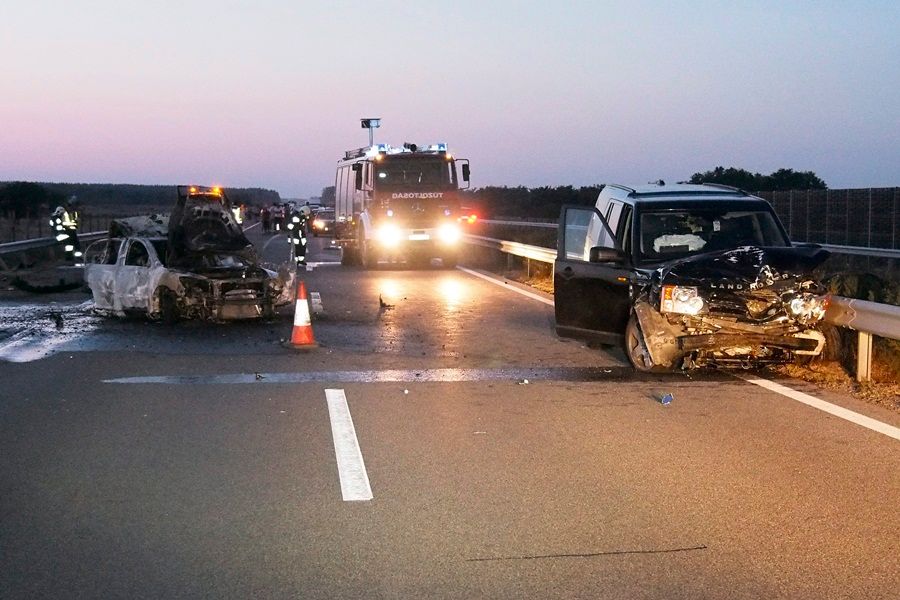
x=687 y=276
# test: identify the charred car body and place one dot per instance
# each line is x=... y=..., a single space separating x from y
x=687 y=275
x=195 y=264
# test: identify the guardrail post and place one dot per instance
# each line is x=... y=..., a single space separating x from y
x=864 y=357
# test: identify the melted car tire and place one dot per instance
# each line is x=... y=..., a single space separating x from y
x=636 y=349
x=168 y=307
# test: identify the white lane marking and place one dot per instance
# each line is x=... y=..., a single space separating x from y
x=351 y=468
x=328 y=263
x=272 y=239
x=251 y=226
x=832 y=409
x=315 y=302
x=506 y=286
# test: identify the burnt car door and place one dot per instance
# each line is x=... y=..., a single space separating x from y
x=101 y=263
x=133 y=277
x=591 y=278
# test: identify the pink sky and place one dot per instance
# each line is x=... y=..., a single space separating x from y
x=269 y=93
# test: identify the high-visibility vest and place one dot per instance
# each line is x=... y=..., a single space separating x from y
x=70 y=219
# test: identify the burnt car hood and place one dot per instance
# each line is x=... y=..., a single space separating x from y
x=746 y=268
x=205 y=227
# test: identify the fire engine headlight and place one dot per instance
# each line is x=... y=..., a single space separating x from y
x=448 y=233
x=389 y=235
x=808 y=308
x=681 y=300
x=318 y=224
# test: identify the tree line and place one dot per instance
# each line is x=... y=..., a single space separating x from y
x=545 y=202
x=27 y=199
x=23 y=199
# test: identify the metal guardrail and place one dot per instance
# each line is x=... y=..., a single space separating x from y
x=538 y=253
x=12 y=248
x=866 y=318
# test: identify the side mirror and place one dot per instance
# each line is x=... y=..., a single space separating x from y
x=465 y=171
x=602 y=254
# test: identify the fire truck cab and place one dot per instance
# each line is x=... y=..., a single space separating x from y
x=399 y=204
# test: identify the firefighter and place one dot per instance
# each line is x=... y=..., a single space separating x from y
x=278 y=215
x=296 y=225
x=64 y=222
x=264 y=214
x=307 y=213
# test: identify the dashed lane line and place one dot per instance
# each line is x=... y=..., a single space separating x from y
x=444 y=375
x=351 y=467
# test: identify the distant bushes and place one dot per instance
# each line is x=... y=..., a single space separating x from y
x=26 y=195
x=541 y=203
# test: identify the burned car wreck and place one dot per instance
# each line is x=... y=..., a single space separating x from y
x=195 y=264
x=685 y=276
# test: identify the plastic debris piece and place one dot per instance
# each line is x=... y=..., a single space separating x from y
x=666 y=399
x=406 y=391
x=523 y=382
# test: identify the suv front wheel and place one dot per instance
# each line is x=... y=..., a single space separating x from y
x=636 y=349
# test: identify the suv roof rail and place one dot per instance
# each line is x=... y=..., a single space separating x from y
x=620 y=186
x=728 y=187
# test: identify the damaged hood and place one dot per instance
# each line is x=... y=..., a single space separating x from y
x=198 y=226
x=747 y=268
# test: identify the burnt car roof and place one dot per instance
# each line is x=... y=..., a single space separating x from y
x=149 y=226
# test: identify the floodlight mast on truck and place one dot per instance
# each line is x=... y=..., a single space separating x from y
x=399 y=203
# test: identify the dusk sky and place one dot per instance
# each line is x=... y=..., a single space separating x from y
x=269 y=93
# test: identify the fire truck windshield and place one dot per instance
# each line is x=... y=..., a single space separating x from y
x=406 y=173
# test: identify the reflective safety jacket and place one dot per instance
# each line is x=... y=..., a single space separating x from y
x=64 y=219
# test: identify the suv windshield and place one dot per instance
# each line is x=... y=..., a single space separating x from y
x=415 y=173
x=669 y=234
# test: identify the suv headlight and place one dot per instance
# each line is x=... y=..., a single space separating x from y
x=808 y=308
x=680 y=300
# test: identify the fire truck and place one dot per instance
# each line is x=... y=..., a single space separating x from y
x=399 y=203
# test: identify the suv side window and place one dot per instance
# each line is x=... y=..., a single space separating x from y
x=623 y=230
x=584 y=229
x=597 y=234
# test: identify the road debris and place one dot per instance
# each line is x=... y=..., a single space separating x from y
x=664 y=399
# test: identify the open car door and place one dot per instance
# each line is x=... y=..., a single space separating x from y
x=591 y=278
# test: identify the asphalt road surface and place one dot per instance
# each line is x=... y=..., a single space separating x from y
x=441 y=442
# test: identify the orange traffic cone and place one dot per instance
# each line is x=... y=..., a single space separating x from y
x=302 y=334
